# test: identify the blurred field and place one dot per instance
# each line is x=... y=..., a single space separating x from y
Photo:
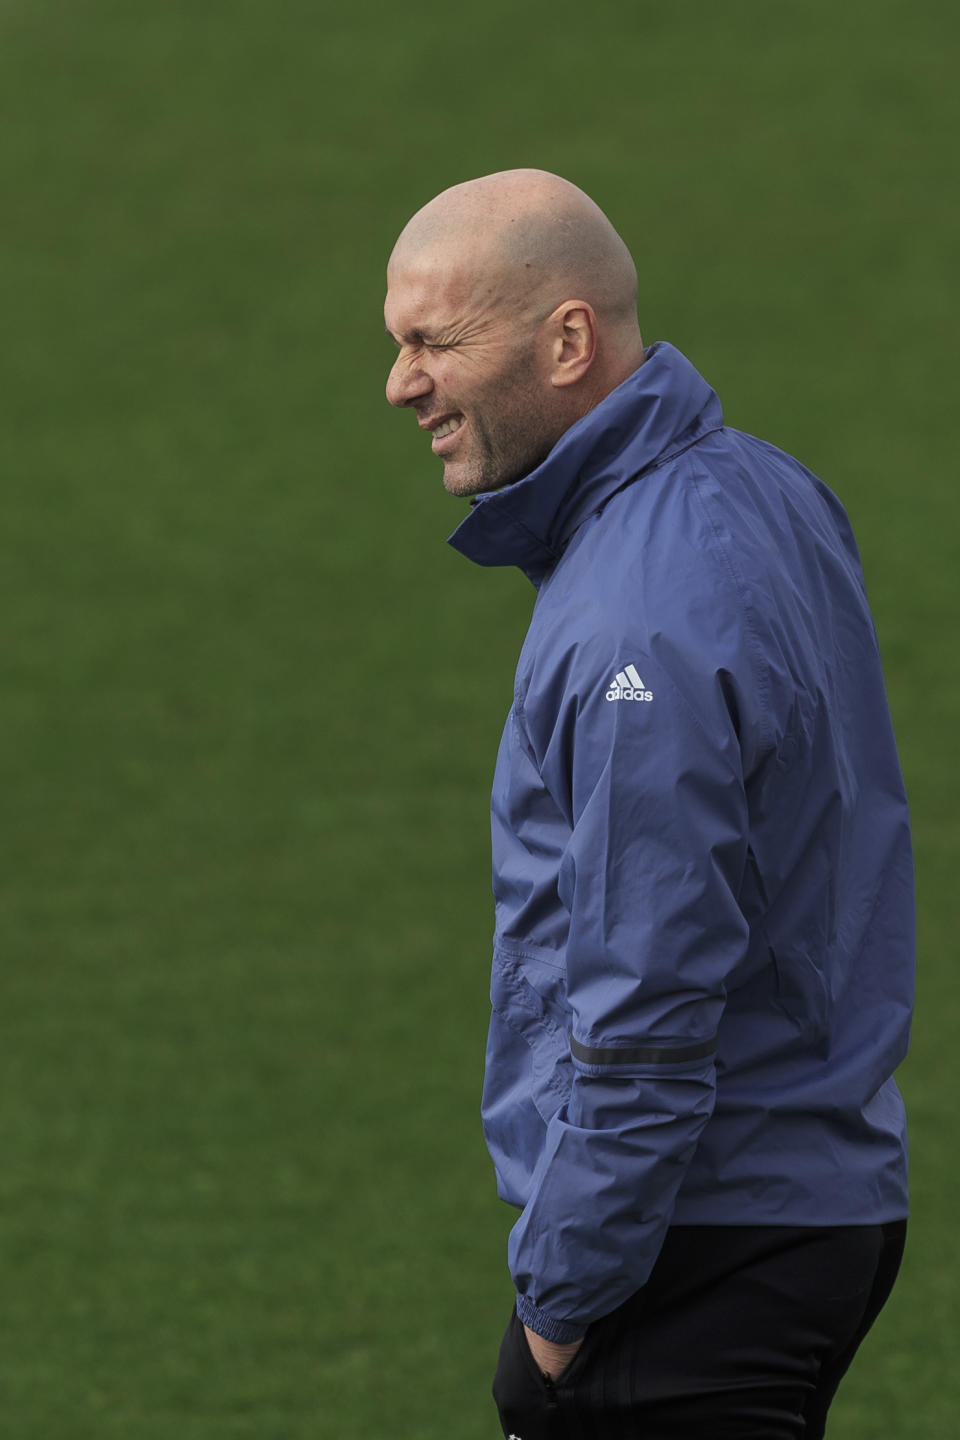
x=250 y=701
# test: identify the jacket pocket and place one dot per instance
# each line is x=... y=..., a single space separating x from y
x=528 y=995
x=802 y=992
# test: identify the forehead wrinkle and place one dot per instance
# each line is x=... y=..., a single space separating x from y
x=439 y=294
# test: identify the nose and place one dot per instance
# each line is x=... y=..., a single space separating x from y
x=407 y=380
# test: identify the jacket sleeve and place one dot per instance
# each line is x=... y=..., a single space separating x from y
x=653 y=793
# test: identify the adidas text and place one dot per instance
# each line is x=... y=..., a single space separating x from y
x=628 y=686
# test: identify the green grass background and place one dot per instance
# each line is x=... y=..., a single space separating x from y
x=250 y=701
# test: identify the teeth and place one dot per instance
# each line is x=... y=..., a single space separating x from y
x=447 y=428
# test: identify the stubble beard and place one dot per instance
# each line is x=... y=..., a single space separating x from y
x=520 y=441
x=493 y=468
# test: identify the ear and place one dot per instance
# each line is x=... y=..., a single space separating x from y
x=574 y=341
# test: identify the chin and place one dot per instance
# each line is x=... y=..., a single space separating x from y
x=473 y=484
x=465 y=484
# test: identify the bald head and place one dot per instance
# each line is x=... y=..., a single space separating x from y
x=535 y=238
x=513 y=303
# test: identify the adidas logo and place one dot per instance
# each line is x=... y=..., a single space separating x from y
x=628 y=686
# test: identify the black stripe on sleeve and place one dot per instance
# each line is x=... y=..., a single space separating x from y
x=641 y=1054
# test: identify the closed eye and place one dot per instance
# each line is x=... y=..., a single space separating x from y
x=418 y=341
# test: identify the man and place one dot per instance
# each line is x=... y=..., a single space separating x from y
x=703 y=958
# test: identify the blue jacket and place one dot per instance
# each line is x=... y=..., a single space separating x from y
x=703 y=959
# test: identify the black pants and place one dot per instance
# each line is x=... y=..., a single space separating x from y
x=739 y=1334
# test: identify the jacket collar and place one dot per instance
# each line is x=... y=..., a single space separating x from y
x=662 y=408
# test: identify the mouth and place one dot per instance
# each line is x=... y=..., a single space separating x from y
x=444 y=433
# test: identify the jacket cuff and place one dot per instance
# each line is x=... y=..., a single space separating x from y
x=559 y=1331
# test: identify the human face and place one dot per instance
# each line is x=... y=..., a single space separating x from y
x=472 y=366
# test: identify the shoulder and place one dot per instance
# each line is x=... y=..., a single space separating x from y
x=686 y=575
x=654 y=570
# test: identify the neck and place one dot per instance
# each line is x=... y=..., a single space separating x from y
x=611 y=374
